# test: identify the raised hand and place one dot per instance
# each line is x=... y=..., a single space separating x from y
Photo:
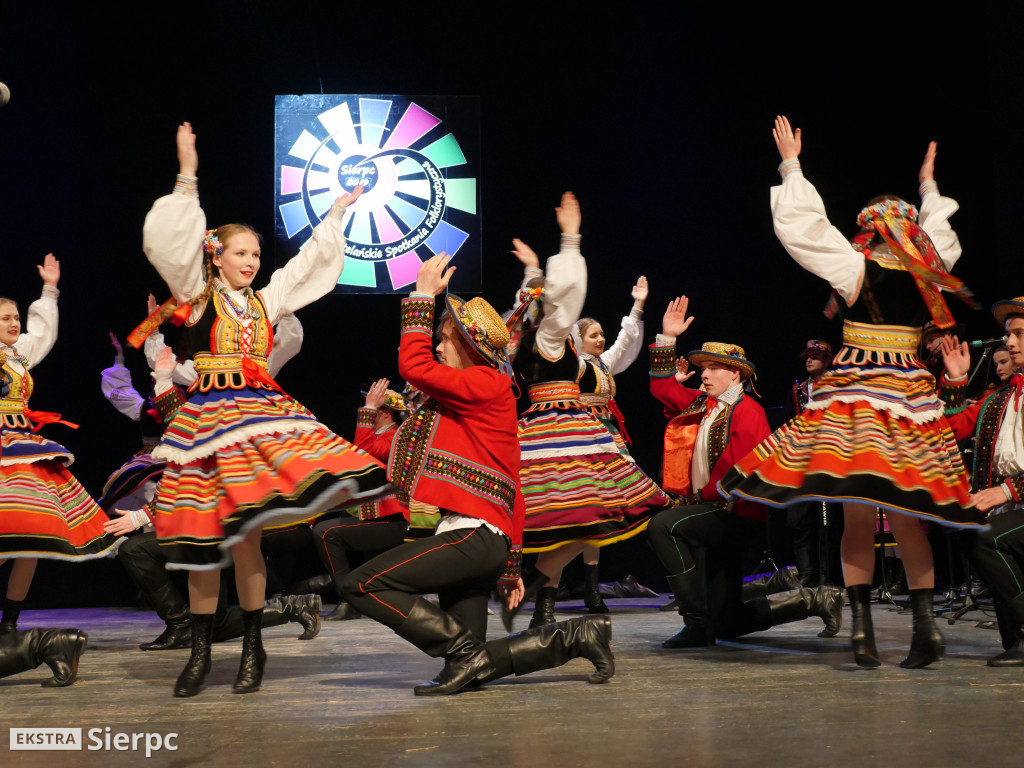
x=49 y=270
x=164 y=361
x=347 y=199
x=432 y=277
x=568 y=214
x=151 y=305
x=377 y=394
x=524 y=253
x=118 y=350
x=928 y=166
x=675 y=322
x=786 y=139
x=188 y=158
x=639 y=292
x=683 y=371
x=956 y=356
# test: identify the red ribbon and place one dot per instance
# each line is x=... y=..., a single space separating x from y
x=42 y=418
x=620 y=419
x=1018 y=384
x=709 y=406
x=143 y=330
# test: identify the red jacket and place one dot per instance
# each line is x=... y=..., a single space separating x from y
x=461 y=451
x=735 y=432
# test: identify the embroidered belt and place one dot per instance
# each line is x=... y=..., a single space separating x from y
x=230 y=372
x=208 y=362
x=12 y=406
x=554 y=392
x=595 y=400
x=901 y=339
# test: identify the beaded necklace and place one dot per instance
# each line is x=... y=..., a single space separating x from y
x=248 y=311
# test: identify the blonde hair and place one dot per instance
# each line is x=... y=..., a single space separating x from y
x=223 y=233
x=583 y=323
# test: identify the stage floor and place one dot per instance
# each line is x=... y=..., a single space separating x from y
x=780 y=698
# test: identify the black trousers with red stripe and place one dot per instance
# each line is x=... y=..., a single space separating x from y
x=336 y=539
x=461 y=566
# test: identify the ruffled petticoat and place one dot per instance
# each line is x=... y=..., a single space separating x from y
x=576 y=484
x=874 y=433
x=44 y=511
x=240 y=459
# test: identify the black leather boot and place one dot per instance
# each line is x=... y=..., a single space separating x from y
x=59 y=649
x=437 y=633
x=824 y=602
x=782 y=580
x=197 y=668
x=532 y=586
x=343 y=612
x=926 y=644
x=254 y=658
x=12 y=609
x=552 y=645
x=592 y=590
x=695 y=633
x=171 y=608
x=1012 y=656
x=544 y=607
x=862 y=635
x=302 y=609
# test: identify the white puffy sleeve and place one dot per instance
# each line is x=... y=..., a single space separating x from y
x=116 y=384
x=311 y=273
x=40 y=328
x=620 y=355
x=565 y=288
x=172 y=239
x=806 y=233
x=933 y=217
x=183 y=374
x=287 y=343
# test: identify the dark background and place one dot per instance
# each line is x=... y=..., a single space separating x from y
x=659 y=120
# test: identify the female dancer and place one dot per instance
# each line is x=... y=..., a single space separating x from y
x=240 y=452
x=44 y=511
x=579 y=489
x=873 y=433
x=598 y=368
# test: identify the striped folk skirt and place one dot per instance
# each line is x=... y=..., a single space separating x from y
x=239 y=460
x=576 y=484
x=873 y=433
x=44 y=511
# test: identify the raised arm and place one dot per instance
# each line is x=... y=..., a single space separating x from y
x=116 y=385
x=314 y=271
x=172 y=236
x=40 y=328
x=630 y=340
x=565 y=283
x=802 y=226
x=936 y=210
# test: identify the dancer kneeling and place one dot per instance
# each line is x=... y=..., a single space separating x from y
x=461 y=452
x=702 y=544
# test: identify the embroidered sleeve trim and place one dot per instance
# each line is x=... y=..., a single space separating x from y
x=366 y=417
x=514 y=567
x=663 y=361
x=417 y=315
x=169 y=403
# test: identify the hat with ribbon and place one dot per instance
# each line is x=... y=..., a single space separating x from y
x=483 y=328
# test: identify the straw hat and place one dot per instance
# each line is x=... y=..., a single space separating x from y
x=1003 y=309
x=482 y=327
x=727 y=354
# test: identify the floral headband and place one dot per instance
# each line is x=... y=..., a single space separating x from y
x=212 y=245
x=892 y=208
